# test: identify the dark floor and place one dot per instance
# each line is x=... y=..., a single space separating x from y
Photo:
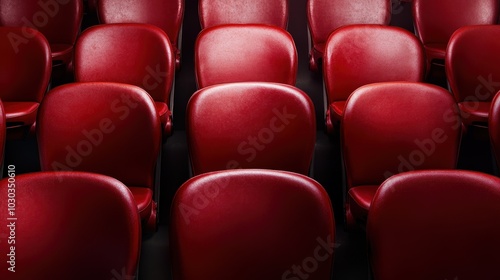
x=350 y=255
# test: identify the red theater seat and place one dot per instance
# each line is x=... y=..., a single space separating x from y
x=357 y=55
x=390 y=128
x=472 y=69
x=107 y=128
x=435 y=225
x=245 y=53
x=130 y=53
x=435 y=21
x=252 y=224
x=217 y=12
x=3 y=133
x=68 y=225
x=166 y=14
x=59 y=21
x=251 y=125
x=25 y=65
x=494 y=127
x=325 y=16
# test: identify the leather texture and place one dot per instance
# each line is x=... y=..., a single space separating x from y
x=251 y=125
x=130 y=53
x=439 y=224
x=394 y=127
x=245 y=53
x=251 y=224
x=59 y=21
x=218 y=12
x=472 y=70
x=26 y=68
x=357 y=55
x=99 y=127
x=325 y=16
x=435 y=21
x=85 y=223
x=168 y=15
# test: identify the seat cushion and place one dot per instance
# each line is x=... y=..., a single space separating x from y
x=360 y=199
x=474 y=112
x=21 y=112
x=144 y=199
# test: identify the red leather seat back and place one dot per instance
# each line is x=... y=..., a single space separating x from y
x=245 y=53
x=131 y=53
x=106 y=128
x=247 y=227
x=59 y=21
x=357 y=55
x=494 y=126
x=435 y=21
x=324 y=16
x=251 y=125
x=25 y=64
x=167 y=15
x=472 y=63
x=435 y=225
x=85 y=223
x=217 y=12
x=389 y=128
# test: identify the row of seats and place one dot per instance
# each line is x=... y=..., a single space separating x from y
x=354 y=56
x=96 y=122
x=434 y=21
x=420 y=226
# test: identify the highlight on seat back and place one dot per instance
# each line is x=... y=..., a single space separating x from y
x=217 y=12
x=357 y=55
x=245 y=53
x=472 y=69
x=252 y=224
x=251 y=125
x=107 y=128
x=325 y=16
x=68 y=225
x=165 y=14
x=435 y=21
x=59 y=21
x=26 y=68
x=421 y=226
x=424 y=127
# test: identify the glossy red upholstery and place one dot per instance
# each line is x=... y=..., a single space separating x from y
x=85 y=223
x=130 y=53
x=166 y=14
x=494 y=126
x=25 y=65
x=472 y=69
x=435 y=21
x=435 y=225
x=390 y=128
x=106 y=128
x=59 y=21
x=217 y=12
x=252 y=224
x=251 y=125
x=245 y=53
x=325 y=16
x=357 y=55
